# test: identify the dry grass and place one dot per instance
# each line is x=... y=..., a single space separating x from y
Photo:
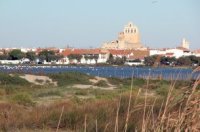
x=131 y=111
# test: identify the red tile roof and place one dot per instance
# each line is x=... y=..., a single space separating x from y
x=197 y=51
x=135 y=53
x=68 y=51
x=169 y=53
x=182 y=48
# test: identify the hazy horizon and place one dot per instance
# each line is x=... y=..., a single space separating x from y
x=88 y=24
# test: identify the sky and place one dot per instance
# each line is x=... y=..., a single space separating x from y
x=90 y=23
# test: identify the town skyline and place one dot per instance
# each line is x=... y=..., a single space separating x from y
x=163 y=24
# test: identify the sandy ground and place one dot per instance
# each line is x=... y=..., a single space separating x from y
x=82 y=86
x=42 y=79
x=95 y=80
x=45 y=79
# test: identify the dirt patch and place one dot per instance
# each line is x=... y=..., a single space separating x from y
x=38 y=80
x=82 y=86
x=94 y=81
x=97 y=79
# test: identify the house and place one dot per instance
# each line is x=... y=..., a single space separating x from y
x=197 y=52
x=172 y=52
x=89 y=56
x=14 y=62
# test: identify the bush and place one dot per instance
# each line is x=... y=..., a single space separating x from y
x=81 y=92
x=23 y=99
x=50 y=93
x=101 y=83
x=163 y=90
x=127 y=82
x=115 y=81
x=14 y=79
x=69 y=78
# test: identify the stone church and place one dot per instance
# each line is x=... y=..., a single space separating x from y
x=128 y=39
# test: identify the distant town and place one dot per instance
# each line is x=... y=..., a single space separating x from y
x=127 y=49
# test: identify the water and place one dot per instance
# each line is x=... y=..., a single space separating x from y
x=108 y=71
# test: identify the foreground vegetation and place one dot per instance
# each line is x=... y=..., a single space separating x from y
x=133 y=104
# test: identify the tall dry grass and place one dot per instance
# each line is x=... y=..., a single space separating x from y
x=132 y=111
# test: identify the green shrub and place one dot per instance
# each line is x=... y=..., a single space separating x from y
x=23 y=99
x=115 y=81
x=69 y=78
x=138 y=82
x=9 y=89
x=6 y=79
x=163 y=90
x=101 y=83
x=50 y=93
x=81 y=92
x=127 y=82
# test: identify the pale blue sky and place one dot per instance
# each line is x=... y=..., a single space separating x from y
x=89 y=23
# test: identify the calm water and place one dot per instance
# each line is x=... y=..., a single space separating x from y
x=103 y=71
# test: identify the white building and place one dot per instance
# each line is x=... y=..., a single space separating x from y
x=174 y=52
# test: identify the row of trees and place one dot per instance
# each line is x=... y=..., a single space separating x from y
x=151 y=60
x=49 y=56
x=182 y=61
x=43 y=55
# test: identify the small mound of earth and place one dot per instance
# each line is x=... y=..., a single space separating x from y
x=38 y=80
x=95 y=80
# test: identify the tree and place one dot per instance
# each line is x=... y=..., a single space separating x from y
x=110 y=59
x=31 y=56
x=4 y=57
x=136 y=60
x=150 y=60
x=75 y=57
x=95 y=57
x=167 y=60
x=184 y=61
x=194 y=59
x=124 y=59
x=118 y=61
x=90 y=57
x=58 y=57
x=16 y=54
x=47 y=55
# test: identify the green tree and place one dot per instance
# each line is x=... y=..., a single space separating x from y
x=118 y=61
x=31 y=56
x=95 y=57
x=150 y=60
x=184 y=61
x=16 y=54
x=90 y=57
x=110 y=59
x=75 y=56
x=194 y=59
x=167 y=60
x=47 y=55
